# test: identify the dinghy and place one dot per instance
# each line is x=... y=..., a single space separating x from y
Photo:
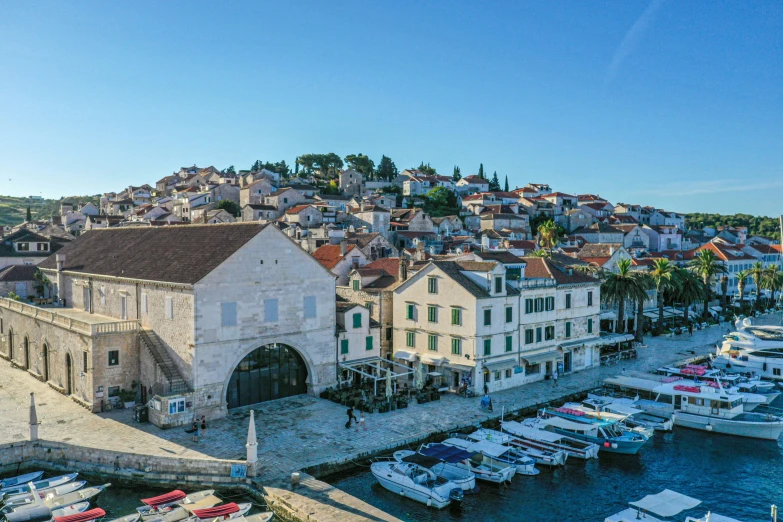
x=87 y=516
x=223 y=512
x=41 y=485
x=21 y=479
x=27 y=498
x=180 y=509
x=73 y=509
x=134 y=517
x=72 y=498
x=266 y=516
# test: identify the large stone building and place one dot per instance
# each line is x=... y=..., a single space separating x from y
x=201 y=318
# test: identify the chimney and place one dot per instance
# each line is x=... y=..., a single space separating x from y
x=402 y=273
x=361 y=206
x=60 y=260
x=419 y=256
x=343 y=247
x=611 y=250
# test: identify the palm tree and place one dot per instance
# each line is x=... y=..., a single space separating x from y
x=661 y=275
x=550 y=235
x=620 y=287
x=724 y=289
x=773 y=280
x=757 y=273
x=742 y=275
x=645 y=283
x=707 y=265
x=689 y=290
x=540 y=253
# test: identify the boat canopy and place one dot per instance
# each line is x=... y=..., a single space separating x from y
x=667 y=503
x=560 y=422
x=166 y=498
x=519 y=429
x=206 y=502
x=446 y=453
x=84 y=516
x=623 y=409
x=219 y=511
x=486 y=447
x=421 y=460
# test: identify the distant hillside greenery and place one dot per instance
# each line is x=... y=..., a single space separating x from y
x=762 y=226
x=13 y=210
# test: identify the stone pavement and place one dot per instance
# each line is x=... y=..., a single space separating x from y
x=300 y=432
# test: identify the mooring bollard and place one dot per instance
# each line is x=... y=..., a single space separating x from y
x=295 y=478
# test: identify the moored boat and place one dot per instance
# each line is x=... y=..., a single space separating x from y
x=228 y=511
x=532 y=435
x=667 y=504
x=173 y=506
x=603 y=432
x=624 y=421
x=442 y=460
x=518 y=449
x=133 y=517
x=21 y=499
x=86 y=516
x=417 y=483
x=266 y=516
x=40 y=485
x=487 y=458
x=73 y=509
x=11 y=482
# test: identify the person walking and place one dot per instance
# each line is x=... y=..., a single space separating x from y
x=690 y=329
x=486 y=388
x=554 y=378
x=195 y=428
x=351 y=417
x=203 y=426
x=360 y=423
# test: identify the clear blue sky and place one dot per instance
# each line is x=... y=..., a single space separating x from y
x=668 y=103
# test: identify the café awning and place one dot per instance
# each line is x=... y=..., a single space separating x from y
x=406 y=356
x=433 y=359
x=500 y=365
x=538 y=358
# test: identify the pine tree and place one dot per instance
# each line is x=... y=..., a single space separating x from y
x=481 y=171
x=457 y=174
x=494 y=184
x=505 y=188
x=296 y=166
x=29 y=215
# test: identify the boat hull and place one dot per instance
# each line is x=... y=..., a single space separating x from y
x=738 y=428
x=625 y=447
x=413 y=493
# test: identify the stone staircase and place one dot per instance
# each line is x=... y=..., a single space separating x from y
x=176 y=384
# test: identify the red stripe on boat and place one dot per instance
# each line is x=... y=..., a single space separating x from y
x=219 y=511
x=85 y=516
x=165 y=499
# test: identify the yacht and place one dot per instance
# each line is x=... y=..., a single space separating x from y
x=442 y=460
x=604 y=432
x=756 y=349
x=635 y=416
x=486 y=464
x=417 y=483
x=530 y=434
x=717 y=410
x=528 y=454
x=752 y=386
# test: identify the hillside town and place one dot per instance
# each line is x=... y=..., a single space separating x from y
x=215 y=289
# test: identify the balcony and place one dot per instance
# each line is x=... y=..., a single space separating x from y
x=535 y=283
x=71 y=319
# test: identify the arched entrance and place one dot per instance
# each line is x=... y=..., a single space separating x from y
x=46 y=362
x=11 y=343
x=26 y=346
x=270 y=372
x=68 y=374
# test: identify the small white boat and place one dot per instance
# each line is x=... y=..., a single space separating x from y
x=41 y=485
x=133 y=517
x=486 y=459
x=624 y=421
x=266 y=516
x=417 y=483
x=426 y=457
x=90 y=493
x=27 y=498
x=170 y=507
x=525 y=455
x=79 y=507
x=6 y=484
x=228 y=511
x=532 y=436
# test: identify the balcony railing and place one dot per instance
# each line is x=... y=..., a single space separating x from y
x=535 y=283
x=69 y=323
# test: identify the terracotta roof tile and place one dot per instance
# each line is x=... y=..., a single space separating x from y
x=329 y=255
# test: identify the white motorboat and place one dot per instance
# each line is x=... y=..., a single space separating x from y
x=417 y=483
x=59 y=501
x=184 y=510
x=11 y=482
x=40 y=485
x=624 y=421
x=665 y=504
x=756 y=349
x=84 y=516
x=79 y=507
x=27 y=498
x=175 y=501
x=532 y=436
x=717 y=410
x=496 y=473
x=521 y=451
x=486 y=459
x=266 y=516
x=442 y=460
x=757 y=391
x=623 y=406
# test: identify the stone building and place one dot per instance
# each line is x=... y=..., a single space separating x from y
x=202 y=317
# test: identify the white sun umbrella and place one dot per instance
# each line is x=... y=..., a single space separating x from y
x=389 y=392
x=421 y=373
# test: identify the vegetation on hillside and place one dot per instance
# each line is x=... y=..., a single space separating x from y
x=13 y=210
x=757 y=225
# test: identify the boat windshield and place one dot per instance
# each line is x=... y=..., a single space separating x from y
x=766 y=335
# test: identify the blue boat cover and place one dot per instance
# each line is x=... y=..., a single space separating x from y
x=446 y=453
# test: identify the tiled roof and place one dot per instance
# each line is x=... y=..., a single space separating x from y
x=600 y=228
x=454 y=270
x=523 y=244
x=500 y=256
x=726 y=253
x=190 y=251
x=362 y=239
x=599 y=250
x=600 y=261
x=475 y=180
x=329 y=255
x=257 y=206
x=297 y=209
x=543 y=268
x=17 y=273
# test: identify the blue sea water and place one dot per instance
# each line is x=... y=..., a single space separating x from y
x=734 y=477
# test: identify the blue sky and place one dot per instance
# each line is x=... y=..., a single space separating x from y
x=672 y=104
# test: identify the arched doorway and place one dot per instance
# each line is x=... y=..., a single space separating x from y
x=68 y=374
x=46 y=362
x=26 y=346
x=11 y=343
x=270 y=372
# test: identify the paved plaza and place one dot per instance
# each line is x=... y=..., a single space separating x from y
x=303 y=431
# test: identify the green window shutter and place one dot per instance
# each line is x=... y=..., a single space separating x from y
x=432 y=314
x=456 y=316
x=344 y=346
x=357 y=320
x=356 y=284
x=589 y=326
x=456 y=347
x=409 y=314
x=487 y=317
x=509 y=343
x=368 y=343
x=509 y=314
x=432 y=343
x=568 y=329
x=487 y=346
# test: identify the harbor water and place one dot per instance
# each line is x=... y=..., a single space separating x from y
x=732 y=476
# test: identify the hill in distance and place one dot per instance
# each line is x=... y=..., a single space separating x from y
x=13 y=210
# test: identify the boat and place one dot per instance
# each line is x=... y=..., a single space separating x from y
x=222 y=512
x=79 y=507
x=757 y=390
x=27 y=498
x=266 y=516
x=624 y=421
x=54 y=502
x=87 y=516
x=417 y=483
x=496 y=474
x=170 y=506
x=627 y=406
x=532 y=436
x=523 y=455
x=41 y=485
x=487 y=458
x=133 y=517
x=667 y=504
x=719 y=411
x=603 y=432
x=442 y=460
x=11 y=482
x=753 y=349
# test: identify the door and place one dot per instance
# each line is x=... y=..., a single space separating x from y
x=68 y=374
x=548 y=368
x=588 y=357
x=566 y=362
x=46 y=362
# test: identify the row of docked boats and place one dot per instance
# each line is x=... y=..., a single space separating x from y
x=29 y=498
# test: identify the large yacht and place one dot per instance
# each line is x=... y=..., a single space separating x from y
x=752 y=349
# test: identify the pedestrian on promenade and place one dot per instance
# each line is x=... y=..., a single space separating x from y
x=351 y=417
x=690 y=329
x=203 y=426
x=554 y=378
x=195 y=428
x=486 y=388
x=360 y=423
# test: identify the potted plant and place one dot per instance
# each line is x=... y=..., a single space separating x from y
x=128 y=398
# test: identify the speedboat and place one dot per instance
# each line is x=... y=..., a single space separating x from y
x=86 y=516
x=484 y=464
x=529 y=456
x=603 y=432
x=624 y=421
x=157 y=507
x=442 y=460
x=717 y=410
x=417 y=483
x=79 y=507
x=531 y=436
x=11 y=482
x=21 y=499
x=41 y=485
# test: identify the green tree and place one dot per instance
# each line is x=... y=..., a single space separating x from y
x=621 y=287
x=689 y=289
x=757 y=273
x=441 y=201
x=229 y=170
x=387 y=170
x=296 y=166
x=29 y=215
x=427 y=169
x=361 y=163
x=481 y=171
x=229 y=206
x=505 y=185
x=550 y=234
x=707 y=266
x=41 y=283
x=645 y=283
x=457 y=175
x=662 y=275
x=742 y=276
x=494 y=184
x=331 y=188
x=773 y=280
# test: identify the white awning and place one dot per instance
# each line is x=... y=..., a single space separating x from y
x=581 y=342
x=460 y=367
x=406 y=356
x=667 y=503
x=613 y=338
x=500 y=365
x=624 y=409
x=538 y=358
x=433 y=359
x=609 y=315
